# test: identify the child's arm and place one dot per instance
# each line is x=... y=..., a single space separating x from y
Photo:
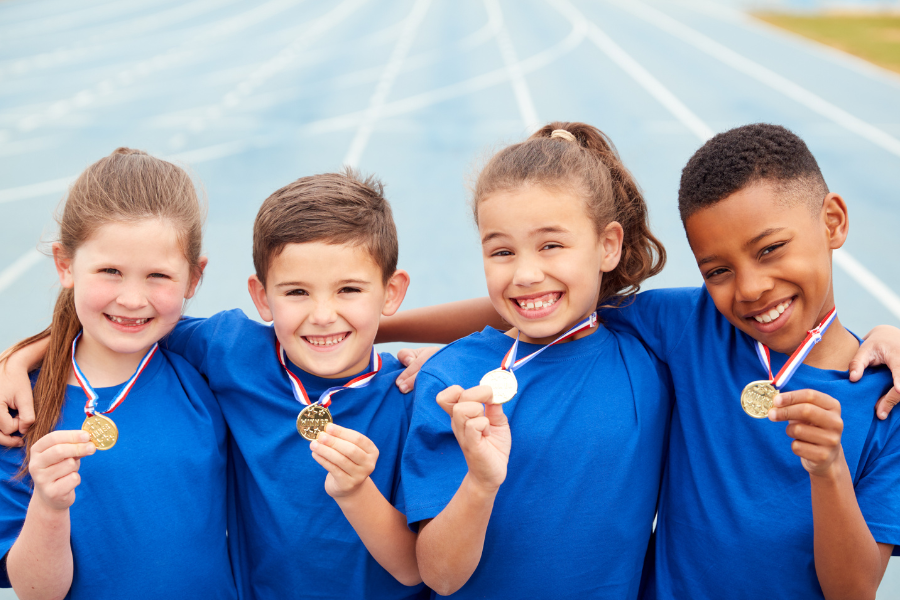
x=350 y=457
x=450 y=545
x=881 y=347
x=16 y=392
x=40 y=564
x=440 y=324
x=849 y=562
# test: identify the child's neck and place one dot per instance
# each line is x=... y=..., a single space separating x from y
x=834 y=352
x=102 y=366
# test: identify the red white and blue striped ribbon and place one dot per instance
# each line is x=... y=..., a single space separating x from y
x=325 y=399
x=90 y=407
x=511 y=364
x=813 y=337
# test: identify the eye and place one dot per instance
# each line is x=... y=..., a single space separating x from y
x=349 y=290
x=159 y=276
x=110 y=271
x=772 y=248
x=501 y=253
x=715 y=273
x=551 y=246
x=297 y=292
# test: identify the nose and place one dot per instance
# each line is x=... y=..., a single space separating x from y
x=132 y=296
x=324 y=313
x=751 y=284
x=528 y=271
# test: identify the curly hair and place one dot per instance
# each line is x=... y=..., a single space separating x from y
x=740 y=157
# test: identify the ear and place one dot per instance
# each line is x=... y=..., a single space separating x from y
x=196 y=276
x=63 y=265
x=611 y=246
x=258 y=295
x=395 y=292
x=836 y=219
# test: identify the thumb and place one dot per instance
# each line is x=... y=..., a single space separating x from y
x=887 y=403
x=495 y=414
x=26 y=410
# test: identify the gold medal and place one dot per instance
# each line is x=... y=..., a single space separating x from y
x=104 y=432
x=503 y=383
x=312 y=421
x=757 y=398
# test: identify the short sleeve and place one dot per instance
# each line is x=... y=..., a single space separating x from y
x=656 y=317
x=191 y=339
x=433 y=465
x=878 y=486
x=14 y=498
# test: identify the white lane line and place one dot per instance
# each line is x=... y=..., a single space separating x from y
x=54 y=22
x=640 y=75
x=762 y=74
x=729 y=14
x=842 y=257
x=388 y=77
x=513 y=69
x=868 y=280
x=21 y=265
x=44 y=188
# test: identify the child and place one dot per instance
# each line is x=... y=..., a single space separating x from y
x=582 y=439
x=325 y=251
x=739 y=517
x=149 y=518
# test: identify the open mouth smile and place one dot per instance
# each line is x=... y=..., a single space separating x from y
x=325 y=341
x=126 y=322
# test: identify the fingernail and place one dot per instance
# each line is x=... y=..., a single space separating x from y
x=771 y=414
x=322 y=438
x=882 y=415
x=313 y=445
x=777 y=401
x=404 y=388
x=84 y=436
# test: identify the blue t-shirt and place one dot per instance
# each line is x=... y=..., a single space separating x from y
x=149 y=516
x=588 y=434
x=735 y=516
x=287 y=536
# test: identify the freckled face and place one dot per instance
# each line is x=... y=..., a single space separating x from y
x=543 y=260
x=766 y=263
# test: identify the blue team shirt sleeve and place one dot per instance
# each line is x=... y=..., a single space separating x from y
x=14 y=498
x=191 y=339
x=878 y=484
x=656 y=317
x=433 y=465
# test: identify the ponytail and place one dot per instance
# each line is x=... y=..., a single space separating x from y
x=580 y=157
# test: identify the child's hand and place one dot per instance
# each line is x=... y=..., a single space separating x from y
x=814 y=421
x=881 y=347
x=54 y=463
x=413 y=359
x=482 y=431
x=15 y=394
x=348 y=456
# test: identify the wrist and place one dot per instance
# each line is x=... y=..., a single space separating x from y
x=41 y=509
x=832 y=474
x=354 y=495
x=478 y=490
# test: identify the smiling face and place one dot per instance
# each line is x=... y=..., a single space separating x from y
x=543 y=259
x=767 y=261
x=130 y=282
x=326 y=301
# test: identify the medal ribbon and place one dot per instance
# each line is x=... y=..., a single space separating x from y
x=90 y=407
x=511 y=364
x=325 y=399
x=813 y=337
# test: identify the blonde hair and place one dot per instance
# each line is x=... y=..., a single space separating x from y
x=127 y=186
x=582 y=159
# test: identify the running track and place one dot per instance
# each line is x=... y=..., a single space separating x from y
x=252 y=96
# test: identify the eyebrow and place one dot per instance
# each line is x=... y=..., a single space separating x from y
x=549 y=229
x=764 y=234
x=341 y=282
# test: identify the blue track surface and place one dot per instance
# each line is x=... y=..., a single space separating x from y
x=252 y=96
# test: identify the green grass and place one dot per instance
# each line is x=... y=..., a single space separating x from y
x=874 y=37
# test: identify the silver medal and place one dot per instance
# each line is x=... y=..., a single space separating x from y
x=503 y=383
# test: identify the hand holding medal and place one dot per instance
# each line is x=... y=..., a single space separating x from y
x=101 y=428
x=503 y=380
x=757 y=398
x=814 y=422
x=347 y=455
x=55 y=477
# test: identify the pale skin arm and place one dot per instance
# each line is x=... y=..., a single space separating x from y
x=849 y=562
x=450 y=545
x=40 y=565
x=15 y=393
x=350 y=457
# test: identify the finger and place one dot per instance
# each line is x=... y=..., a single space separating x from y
x=416 y=358
x=25 y=406
x=63 y=436
x=351 y=436
x=352 y=452
x=60 y=452
x=329 y=466
x=467 y=410
x=812 y=397
x=863 y=358
x=480 y=393
x=8 y=423
x=447 y=398
x=11 y=441
x=495 y=414
x=887 y=403
x=805 y=432
x=809 y=414
x=406 y=356
x=811 y=452
x=342 y=467
x=63 y=486
x=54 y=472
x=476 y=428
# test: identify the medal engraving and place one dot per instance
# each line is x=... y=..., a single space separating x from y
x=503 y=383
x=757 y=398
x=104 y=432
x=312 y=421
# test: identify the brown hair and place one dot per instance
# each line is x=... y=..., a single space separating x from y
x=337 y=208
x=125 y=187
x=590 y=167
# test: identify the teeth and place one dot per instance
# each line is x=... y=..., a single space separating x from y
x=538 y=303
x=326 y=340
x=122 y=321
x=773 y=313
